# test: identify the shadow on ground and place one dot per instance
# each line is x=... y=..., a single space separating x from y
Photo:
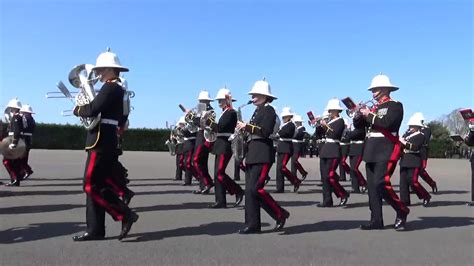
x=38 y=208
x=39 y=232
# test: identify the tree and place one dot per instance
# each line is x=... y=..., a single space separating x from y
x=440 y=142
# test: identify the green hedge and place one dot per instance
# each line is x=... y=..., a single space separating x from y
x=72 y=137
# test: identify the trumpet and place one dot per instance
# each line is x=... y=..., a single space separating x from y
x=353 y=109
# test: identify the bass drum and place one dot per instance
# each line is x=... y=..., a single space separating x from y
x=16 y=153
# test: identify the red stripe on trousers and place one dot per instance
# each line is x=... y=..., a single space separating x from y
x=181 y=161
x=223 y=178
x=338 y=189
x=94 y=195
x=198 y=170
x=115 y=187
x=391 y=197
x=299 y=166
x=10 y=169
x=424 y=174
x=360 y=177
x=417 y=187
x=265 y=196
x=344 y=165
x=293 y=179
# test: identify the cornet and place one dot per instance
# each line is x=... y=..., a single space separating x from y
x=353 y=109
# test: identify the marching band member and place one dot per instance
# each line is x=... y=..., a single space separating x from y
x=223 y=151
x=410 y=163
x=345 y=149
x=382 y=151
x=15 y=127
x=201 y=150
x=356 y=138
x=258 y=160
x=469 y=140
x=29 y=126
x=285 y=151
x=330 y=155
x=298 y=148
x=238 y=166
x=188 y=149
x=424 y=154
x=101 y=146
x=179 y=151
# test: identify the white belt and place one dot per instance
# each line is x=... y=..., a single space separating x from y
x=320 y=140
x=332 y=140
x=409 y=151
x=109 y=121
x=344 y=143
x=26 y=134
x=190 y=138
x=224 y=134
x=285 y=139
x=357 y=141
x=298 y=141
x=11 y=133
x=379 y=134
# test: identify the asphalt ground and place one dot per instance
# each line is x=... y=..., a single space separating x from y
x=175 y=226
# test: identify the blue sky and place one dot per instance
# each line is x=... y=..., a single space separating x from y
x=309 y=51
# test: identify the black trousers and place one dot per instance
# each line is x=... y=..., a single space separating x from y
x=201 y=157
x=256 y=196
x=296 y=165
x=99 y=187
x=409 y=178
x=179 y=166
x=380 y=187
x=330 y=180
x=282 y=172
x=357 y=179
x=222 y=181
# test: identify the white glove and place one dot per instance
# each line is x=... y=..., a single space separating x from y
x=471 y=126
x=12 y=146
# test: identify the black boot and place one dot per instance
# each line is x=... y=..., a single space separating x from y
x=127 y=222
x=86 y=237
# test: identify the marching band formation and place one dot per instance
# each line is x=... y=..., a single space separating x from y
x=372 y=136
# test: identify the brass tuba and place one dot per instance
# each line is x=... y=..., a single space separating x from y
x=83 y=78
x=209 y=135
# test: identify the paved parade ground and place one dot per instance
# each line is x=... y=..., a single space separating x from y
x=175 y=226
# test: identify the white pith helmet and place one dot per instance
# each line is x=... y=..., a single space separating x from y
x=204 y=96
x=333 y=104
x=26 y=109
x=415 y=121
x=109 y=59
x=263 y=88
x=420 y=116
x=297 y=118
x=14 y=103
x=286 y=111
x=224 y=94
x=382 y=81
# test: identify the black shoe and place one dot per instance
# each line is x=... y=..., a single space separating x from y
x=218 y=206
x=279 y=224
x=86 y=237
x=344 y=201
x=238 y=199
x=303 y=177
x=127 y=224
x=279 y=191
x=15 y=183
x=400 y=222
x=371 y=226
x=249 y=230
x=324 y=205
x=470 y=203
x=426 y=202
x=363 y=189
x=128 y=197
x=434 y=189
x=28 y=174
x=296 y=187
x=197 y=191
x=207 y=189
